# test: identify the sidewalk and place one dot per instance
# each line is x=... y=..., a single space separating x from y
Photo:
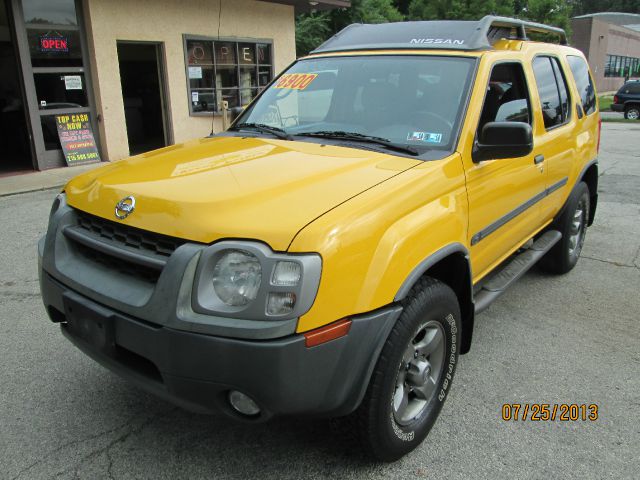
x=32 y=181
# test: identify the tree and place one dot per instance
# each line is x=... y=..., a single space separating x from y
x=550 y=12
x=374 y=11
x=458 y=9
x=311 y=31
x=583 y=7
x=314 y=28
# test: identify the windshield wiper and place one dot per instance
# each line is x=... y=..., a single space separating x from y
x=261 y=127
x=361 y=137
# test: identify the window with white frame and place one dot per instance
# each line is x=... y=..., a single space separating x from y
x=231 y=70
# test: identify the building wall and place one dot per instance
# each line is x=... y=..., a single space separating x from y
x=108 y=21
x=597 y=39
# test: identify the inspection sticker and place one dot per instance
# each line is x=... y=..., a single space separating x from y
x=296 y=81
x=427 y=137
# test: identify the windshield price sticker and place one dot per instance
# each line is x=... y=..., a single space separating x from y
x=296 y=81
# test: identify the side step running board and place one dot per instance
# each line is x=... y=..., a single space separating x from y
x=514 y=269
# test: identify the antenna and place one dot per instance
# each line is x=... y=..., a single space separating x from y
x=213 y=114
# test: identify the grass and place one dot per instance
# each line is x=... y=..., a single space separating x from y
x=605 y=102
x=619 y=120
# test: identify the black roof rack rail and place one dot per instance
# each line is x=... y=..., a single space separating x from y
x=490 y=22
x=436 y=34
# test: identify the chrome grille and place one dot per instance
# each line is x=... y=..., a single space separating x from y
x=128 y=250
x=126 y=236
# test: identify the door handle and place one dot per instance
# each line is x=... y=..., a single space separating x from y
x=538 y=159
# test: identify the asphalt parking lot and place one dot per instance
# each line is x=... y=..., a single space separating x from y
x=570 y=339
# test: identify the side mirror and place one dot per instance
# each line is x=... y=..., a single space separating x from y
x=234 y=113
x=503 y=140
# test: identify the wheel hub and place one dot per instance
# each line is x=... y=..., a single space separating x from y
x=576 y=233
x=419 y=372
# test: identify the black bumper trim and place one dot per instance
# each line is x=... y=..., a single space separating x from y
x=197 y=370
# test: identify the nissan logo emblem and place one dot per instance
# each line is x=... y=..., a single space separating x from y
x=125 y=207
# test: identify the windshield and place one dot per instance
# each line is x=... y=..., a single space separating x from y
x=408 y=100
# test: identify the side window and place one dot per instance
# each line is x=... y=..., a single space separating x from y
x=507 y=98
x=552 y=90
x=562 y=89
x=581 y=75
x=632 y=87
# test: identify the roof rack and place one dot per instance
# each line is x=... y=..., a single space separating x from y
x=436 y=34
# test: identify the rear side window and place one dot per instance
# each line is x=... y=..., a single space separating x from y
x=552 y=89
x=631 y=88
x=581 y=75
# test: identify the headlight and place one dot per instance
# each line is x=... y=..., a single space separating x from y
x=247 y=280
x=237 y=277
x=59 y=201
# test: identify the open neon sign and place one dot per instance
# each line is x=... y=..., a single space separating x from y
x=54 y=44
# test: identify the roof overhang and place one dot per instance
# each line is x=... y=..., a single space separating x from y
x=306 y=6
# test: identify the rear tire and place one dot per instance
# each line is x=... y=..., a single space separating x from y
x=632 y=112
x=572 y=223
x=413 y=375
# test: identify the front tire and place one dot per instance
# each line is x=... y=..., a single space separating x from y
x=413 y=376
x=572 y=223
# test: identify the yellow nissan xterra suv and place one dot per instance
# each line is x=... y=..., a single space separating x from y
x=327 y=254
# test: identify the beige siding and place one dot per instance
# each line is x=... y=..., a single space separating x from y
x=108 y=21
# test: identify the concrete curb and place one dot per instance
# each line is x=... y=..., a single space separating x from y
x=44 y=180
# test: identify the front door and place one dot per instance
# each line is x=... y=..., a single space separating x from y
x=143 y=94
x=504 y=209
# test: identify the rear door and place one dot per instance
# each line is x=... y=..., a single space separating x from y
x=556 y=131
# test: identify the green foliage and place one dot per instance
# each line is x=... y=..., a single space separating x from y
x=311 y=31
x=582 y=7
x=314 y=28
x=375 y=11
x=550 y=12
x=458 y=9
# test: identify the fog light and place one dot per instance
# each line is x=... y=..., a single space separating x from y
x=280 y=303
x=243 y=404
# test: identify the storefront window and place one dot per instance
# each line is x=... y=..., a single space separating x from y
x=49 y=12
x=56 y=90
x=619 y=66
x=220 y=70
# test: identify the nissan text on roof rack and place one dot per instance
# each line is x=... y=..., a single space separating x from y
x=327 y=254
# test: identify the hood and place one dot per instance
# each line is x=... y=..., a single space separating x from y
x=233 y=187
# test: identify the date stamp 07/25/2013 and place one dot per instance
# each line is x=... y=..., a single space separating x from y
x=546 y=412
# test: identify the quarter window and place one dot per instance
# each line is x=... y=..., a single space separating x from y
x=219 y=70
x=552 y=90
x=580 y=73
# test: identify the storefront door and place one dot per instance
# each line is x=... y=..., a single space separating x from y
x=15 y=146
x=52 y=51
x=143 y=94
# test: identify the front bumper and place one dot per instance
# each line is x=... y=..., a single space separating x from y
x=196 y=371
